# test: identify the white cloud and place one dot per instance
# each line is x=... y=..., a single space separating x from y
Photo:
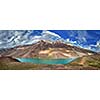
x=68 y=40
x=50 y=33
x=10 y=39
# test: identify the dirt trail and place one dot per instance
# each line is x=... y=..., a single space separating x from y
x=82 y=61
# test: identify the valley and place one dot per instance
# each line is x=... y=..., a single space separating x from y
x=43 y=49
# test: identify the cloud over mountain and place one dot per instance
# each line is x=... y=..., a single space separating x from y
x=12 y=38
x=82 y=38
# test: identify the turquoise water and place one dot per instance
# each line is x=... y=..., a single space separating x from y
x=46 y=61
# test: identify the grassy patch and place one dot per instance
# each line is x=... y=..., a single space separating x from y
x=95 y=63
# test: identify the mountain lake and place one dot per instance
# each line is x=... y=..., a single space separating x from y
x=46 y=61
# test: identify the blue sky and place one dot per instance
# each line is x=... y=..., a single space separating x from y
x=63 y=33
x=92 y=36
x=89 y=39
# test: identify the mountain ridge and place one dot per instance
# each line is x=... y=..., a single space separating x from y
x=42 y=46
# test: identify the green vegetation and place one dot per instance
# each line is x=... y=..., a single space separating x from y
x=22 y=66
x=3 y=66
x=86 y=62
x=94 y=63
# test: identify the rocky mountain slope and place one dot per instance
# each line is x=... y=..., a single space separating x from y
x=46 y=49
x=86 y=59
x=87 y=62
